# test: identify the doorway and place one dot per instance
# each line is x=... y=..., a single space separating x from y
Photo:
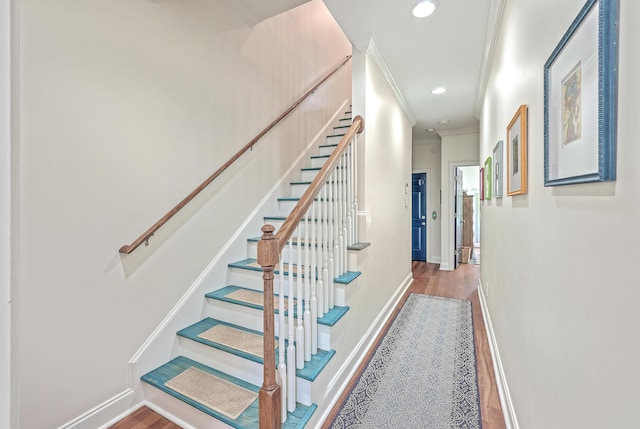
x=471 y=213
x=419 y=217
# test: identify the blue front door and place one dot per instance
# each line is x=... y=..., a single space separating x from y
x=419 y=217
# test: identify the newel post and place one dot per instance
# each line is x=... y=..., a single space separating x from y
x=269 y=395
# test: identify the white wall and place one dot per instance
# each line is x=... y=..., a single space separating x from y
x=125 y=108
x=559 y=264
x=5 y=214
x=457 y=150
x=427 y=155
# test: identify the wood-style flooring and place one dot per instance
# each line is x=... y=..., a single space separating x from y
x=427 y=279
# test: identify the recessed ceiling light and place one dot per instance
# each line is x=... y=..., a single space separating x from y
x=430 y=129
x=424 y=8
x=439 y=90
x=444 y=121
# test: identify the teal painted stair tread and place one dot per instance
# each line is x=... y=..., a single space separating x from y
x=339 y=127
x=328 y=145
x=192 y=332
x=329 y=319
x=248 y=419
x=252 y=265
x=336 y=135
x=224 y=295
x=320 y=156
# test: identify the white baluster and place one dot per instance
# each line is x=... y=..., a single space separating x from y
x=318 y=261
x=325 y=253
x=300 y=306
x=349 y=198
x=282 y=366
x=330 y=262
x=344 y=215
x=291 y=348
x=336 y=236
x=355 y=190
x=307 y=292
x=341 y=238
x=314 y=300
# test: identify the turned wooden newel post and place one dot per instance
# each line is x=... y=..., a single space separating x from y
x=269 y=396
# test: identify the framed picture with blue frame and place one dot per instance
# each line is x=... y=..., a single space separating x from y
x=580 y=99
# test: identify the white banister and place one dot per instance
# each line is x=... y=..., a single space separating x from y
x=291 y=348
x=282 y=366
x=300 y=304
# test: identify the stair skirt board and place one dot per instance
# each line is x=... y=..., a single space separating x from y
x=249 y=417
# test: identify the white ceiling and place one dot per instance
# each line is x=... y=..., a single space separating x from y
x=450 y=48
x=446 y=49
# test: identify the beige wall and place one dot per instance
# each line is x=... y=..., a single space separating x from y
x=125 y=108
x=559 y=263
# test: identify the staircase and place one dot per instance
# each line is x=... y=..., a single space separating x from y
x=218 y=364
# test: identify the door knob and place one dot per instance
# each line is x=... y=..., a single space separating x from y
x=423 y=217
x=424 y=223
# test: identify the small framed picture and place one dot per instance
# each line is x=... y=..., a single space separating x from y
x=517 y=153
x=482 y=184
x=580 y=99
x=488 y=178
x=497 y=169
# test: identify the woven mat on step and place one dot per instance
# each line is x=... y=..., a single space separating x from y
x=213 y=392
x=236 y=339
x=255 y=298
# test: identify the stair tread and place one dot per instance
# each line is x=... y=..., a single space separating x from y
x=319 y=156
x=253 y=338
x=248 y=419
x=328 y=145
x=329 y=319
x=252 y=264
x=227 y=294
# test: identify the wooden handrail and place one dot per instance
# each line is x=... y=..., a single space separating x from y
x=269 y=249
x=144 y=238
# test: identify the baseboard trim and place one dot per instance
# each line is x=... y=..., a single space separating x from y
x=508 y=409
x=111 y=410
x=352 y=363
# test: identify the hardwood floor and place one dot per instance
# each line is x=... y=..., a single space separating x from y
x=427 y=279
x=145 y=418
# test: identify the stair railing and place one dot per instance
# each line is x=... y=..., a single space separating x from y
x=146 y=236
x=321 y=226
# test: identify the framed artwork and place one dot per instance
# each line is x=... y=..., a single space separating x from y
x=580 y=99
x=497 y=169
x=517 y=153
x=482 y=184
x=488 y=178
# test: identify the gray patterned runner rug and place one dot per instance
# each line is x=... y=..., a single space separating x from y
x=422 y=375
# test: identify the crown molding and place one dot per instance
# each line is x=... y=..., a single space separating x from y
x=460 y=132
x=494 y=22
x=367 y=45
